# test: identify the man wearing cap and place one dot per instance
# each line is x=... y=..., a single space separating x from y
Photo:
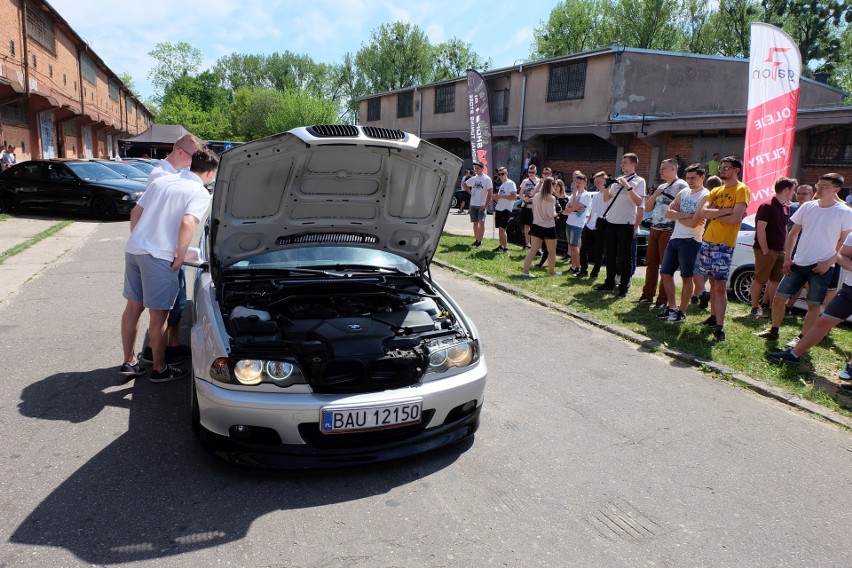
x=481 y=191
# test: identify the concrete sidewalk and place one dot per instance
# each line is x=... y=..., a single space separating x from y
x=28 y=264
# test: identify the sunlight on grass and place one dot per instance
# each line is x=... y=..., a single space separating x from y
x=744 y=352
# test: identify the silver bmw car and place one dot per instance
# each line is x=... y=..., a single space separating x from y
x=319 y=338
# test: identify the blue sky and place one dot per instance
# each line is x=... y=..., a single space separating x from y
x=123 y=33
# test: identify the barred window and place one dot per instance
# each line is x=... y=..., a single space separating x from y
x=128 y=105
x=567 y=81
x=16 y=112
x=12 y=47
x=405 y=104
x=374 y=109
x=41 y=28
x=90 y=73
x=445 y=99
x=580 y=148
x=113 y=90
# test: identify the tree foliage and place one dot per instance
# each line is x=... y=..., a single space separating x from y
x=174 y=60
x=573 y=26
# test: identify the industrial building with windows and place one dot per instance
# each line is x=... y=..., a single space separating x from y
x=57 y=97
x=583 y=111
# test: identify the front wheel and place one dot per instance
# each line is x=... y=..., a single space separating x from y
x=104 y=208
x=741 y=285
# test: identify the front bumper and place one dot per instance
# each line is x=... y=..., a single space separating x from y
x=283 y=428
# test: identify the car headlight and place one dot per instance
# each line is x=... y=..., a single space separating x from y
x=132 y=196
x=256 y=371
x=461 y=354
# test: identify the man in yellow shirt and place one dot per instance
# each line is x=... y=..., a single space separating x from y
x=725 y=208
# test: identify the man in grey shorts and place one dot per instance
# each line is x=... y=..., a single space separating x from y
x=161 y=227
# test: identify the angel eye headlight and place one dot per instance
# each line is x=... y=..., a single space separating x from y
x=279 y=370
x=249 y=371
x=458 y=355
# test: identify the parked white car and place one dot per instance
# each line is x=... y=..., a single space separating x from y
x=319 y=338
x=742 y=265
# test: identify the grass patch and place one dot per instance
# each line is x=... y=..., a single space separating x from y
x=744 y=352
x=4 y=216
x=52 y=230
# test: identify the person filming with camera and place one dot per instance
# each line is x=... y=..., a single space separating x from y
x=623 y=200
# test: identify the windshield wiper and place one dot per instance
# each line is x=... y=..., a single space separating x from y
x=367 y=268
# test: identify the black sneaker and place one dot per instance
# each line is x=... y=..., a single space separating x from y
x=676 y=316
x=477 y=244
x=785 y=356
x=582 y=274
x=703 y=300
x=644 y=300
x=788 y=313
x=719 y=336
x=664 y=313
x=132 y=370
x=709 y=322
x=622 y=294
x=605 y=287
x=593 y=275
x=658 y=306
x=498 y=249
x=771 y=333
x=693 y=301
x=756 y=312
x=174 y=354
x=170 y=373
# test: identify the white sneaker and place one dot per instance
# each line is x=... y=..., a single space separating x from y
x=527 y=275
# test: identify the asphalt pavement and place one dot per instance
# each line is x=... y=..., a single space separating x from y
x=592 y=452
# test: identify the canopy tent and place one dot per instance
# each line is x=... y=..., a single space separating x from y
x=156 y=142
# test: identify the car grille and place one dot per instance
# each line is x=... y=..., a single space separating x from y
x=384 y=133
x=311 y=434
x=345 y=376
x=333 y=130
x=358 y=238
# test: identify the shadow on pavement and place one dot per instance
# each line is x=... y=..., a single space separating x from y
x=154 y=493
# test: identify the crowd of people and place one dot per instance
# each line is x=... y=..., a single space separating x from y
x=694 y=219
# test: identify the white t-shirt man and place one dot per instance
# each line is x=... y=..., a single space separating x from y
x=578 y=218
x=597 y=209
x=623 y=211
x=821 y=228
x=165 y=202
x=162 y=169
x=507 y=188
x=479 y=186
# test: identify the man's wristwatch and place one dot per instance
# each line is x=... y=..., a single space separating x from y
x=629 y=188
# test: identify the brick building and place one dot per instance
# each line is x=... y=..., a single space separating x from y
x=57 y=97
x=583 y=111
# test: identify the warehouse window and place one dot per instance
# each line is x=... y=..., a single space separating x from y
x=41 y=28
x=405 y=104
x=445 y=99
x=567 y=81
x=113 y=90
x=374 y=109
x=88 y=68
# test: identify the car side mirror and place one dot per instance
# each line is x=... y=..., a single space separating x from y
x=193 y=258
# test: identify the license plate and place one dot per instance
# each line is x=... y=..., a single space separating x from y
x=343 y=420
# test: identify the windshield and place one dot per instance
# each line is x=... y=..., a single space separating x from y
x=91 y=171
x=326 y=257
x=126 y=170
x=141 y=166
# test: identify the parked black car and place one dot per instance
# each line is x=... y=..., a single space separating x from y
x=68 y=186
x=125 y=169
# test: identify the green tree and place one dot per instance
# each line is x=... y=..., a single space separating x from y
x=732 y=22
x=572 y=27
x=174 y=60
x=453 y=58
x=398 y=56
x=698 y=34
x=646 y=24
x=127 y=79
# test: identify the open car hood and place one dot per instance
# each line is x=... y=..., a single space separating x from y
x=332 y=185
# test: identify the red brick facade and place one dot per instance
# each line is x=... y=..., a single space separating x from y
x=42 y=72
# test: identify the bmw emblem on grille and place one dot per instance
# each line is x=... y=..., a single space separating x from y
x=355 y=327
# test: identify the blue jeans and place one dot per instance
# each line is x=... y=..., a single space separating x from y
x=801 y=275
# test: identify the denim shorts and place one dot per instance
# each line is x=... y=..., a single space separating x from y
x=714 y=260
x=477 y=213
x=573 y=235
x=680 y=254
x=841 y=306
x=801 y=275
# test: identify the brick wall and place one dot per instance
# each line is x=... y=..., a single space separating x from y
x=587 y=167
x=810 y=174
x=678 y=146
x=18 y=136
x=643 y=152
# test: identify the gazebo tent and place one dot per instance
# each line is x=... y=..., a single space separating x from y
x=156 y=142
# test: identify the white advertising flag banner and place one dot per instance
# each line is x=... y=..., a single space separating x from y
x=775 y=66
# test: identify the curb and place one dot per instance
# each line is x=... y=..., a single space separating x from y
x=725 y=372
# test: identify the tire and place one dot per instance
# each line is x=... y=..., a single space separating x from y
x=103 y=208
x=7 y=204
x=455 y=203
x=195 y=412
x=741 y=285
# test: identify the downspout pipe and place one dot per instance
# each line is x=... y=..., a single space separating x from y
x=523 y=102
x=419 y=111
